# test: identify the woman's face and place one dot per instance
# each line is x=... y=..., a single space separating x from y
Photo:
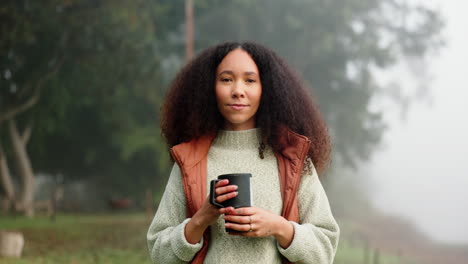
x=238 y=90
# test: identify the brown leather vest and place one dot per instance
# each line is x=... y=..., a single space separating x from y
x=192 y=160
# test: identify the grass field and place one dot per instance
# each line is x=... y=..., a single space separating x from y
x=114 y=239
x=81 y=239
x=348 y=254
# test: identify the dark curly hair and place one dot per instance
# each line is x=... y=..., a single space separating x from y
x=190 y=108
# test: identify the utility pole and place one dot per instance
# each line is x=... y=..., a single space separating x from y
x=189 y=29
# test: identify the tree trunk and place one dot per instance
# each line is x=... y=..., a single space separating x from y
x=6 y=182
x=25 y=170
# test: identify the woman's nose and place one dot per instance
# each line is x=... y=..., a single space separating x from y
x=238 y=91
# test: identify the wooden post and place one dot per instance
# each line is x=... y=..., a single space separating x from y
x=57 y=196
x=366 y=252
x=400 y=256
x=149 y=204
x=376 y=256
x=189 y=29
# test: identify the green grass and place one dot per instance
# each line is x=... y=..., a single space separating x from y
x=354 y=254
x=119 y=238
x=81 y=239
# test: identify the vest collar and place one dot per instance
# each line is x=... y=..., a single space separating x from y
x=190 y=153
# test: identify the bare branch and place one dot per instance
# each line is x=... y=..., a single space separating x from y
x=21 y=108
x=50 y=73
x=27 y=133
x=35 y=97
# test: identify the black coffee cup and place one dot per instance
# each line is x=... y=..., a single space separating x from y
x=244 y=196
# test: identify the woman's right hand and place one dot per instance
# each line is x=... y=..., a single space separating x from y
x=208 y=214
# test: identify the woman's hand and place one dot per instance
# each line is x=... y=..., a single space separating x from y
x=257 y=222
x=208 y=214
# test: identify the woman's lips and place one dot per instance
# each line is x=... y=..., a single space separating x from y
x=237 y=106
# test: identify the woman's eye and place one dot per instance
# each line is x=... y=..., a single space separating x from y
x=225 y=79
x=250 y=80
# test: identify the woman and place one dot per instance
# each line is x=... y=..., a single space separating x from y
x=237 y=107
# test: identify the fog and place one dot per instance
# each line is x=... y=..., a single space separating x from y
x=422 y=171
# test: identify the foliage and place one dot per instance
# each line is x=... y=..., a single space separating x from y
x=101 y=69
x=97 y=117
x=32 y=45
x=336 y=46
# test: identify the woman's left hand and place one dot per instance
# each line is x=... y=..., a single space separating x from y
x=257 y=222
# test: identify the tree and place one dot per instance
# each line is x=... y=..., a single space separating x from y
x=105 y=105
x=97 y=111
x=83 y=80
x=336 y=46
x=31 y=60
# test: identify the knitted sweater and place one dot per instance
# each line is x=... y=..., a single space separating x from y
x=315 y=237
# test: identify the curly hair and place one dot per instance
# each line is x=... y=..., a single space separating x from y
x=190 y=109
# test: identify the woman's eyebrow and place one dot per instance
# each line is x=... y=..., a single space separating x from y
x=250 y=73
x=232 y=73
x=227 y=72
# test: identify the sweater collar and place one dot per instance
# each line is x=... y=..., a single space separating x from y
x=238 y=140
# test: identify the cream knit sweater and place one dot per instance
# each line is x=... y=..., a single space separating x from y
x=315 y=237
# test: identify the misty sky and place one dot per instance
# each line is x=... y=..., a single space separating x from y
x=422 y=173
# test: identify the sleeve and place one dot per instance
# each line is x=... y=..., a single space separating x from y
x=165 y=237
x=316 y=236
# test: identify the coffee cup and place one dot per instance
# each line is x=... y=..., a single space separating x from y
x=243 y=198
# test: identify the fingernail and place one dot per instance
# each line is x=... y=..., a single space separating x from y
x=235 y=187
